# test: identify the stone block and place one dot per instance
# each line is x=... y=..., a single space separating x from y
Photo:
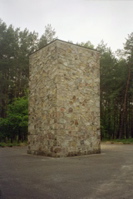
x=64 y=100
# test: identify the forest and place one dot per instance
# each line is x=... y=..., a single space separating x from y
x=116 y=85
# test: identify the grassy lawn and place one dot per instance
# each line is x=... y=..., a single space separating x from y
x=115 y=141
x=9 y=144
x=119 y=141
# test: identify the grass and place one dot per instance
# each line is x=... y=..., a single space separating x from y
x=111 y=141
x=119 y=141
x=9 y=144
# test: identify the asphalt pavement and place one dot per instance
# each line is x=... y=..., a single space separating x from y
x=108 y=175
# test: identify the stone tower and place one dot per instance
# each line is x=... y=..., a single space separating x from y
x=64 y=100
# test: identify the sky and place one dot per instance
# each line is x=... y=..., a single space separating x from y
x=73 y=20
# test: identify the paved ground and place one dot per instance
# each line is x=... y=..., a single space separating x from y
x=105 y=176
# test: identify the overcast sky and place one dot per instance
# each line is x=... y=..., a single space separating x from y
x=75 y=20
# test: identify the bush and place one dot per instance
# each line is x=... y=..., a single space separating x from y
x=15 y=125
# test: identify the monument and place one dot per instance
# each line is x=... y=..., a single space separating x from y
x=64 y=100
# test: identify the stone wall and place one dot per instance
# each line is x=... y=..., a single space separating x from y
x=64 y=100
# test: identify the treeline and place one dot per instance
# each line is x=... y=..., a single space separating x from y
x=117 y=91
x=116 y=83
x=15 y=47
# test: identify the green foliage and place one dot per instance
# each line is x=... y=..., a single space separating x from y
x=14 y=126
x=47 y=37
x=116 y=83
x=87 y=44
x=9 y=144
x=119 y=141
x=116 y=91
x=18 y=112
x=15 y=47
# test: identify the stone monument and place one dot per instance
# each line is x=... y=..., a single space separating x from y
x=64 y=100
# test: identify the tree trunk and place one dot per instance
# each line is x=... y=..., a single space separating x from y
x=124 y=109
